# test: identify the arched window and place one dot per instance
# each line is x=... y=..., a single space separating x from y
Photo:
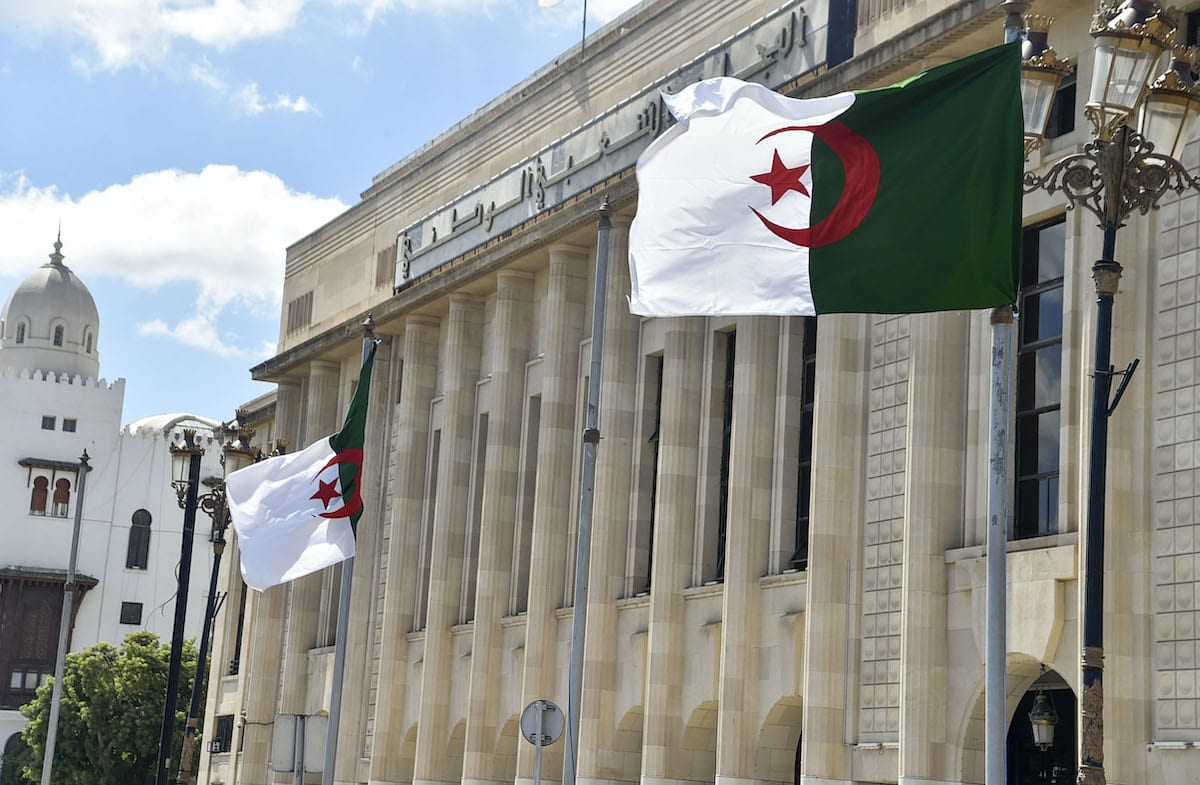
x=58 y=335
x=37 y=499
x=21 y=332
x=137 y=556
x=87 y=343
x=62 y=497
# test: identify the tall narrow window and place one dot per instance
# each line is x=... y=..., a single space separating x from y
x=39 y=496
x=58 y=335
x=643 y=547
x=137 y=554
x=1039 y=380
x=435 y=448
x=87 y=343
x=236 y=660
x=523 y=546
x=21 y=332
x=62 y=497
x=475 y=522
x=726 y=436
x=799 y=560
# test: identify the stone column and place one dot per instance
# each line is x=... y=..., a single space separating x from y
x=610 y=521
x=263 y=640
x=510 y=347
x=368 y=536
x=936 y=476
x=554 y=496
x=304 y=594
x=463 y=339
x=746 y=544
x=663 y=755
x=838 y=498
x=403 y=543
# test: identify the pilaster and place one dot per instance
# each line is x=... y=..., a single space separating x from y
x=663 y=755
x=484 y=761
x=553 y=495
x=746 y=544
x=407 y=484
x=934 y=498
x=463 y=339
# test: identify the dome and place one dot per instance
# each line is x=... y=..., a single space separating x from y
x=50 y=323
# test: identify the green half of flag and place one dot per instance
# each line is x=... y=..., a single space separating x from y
x=348 y=442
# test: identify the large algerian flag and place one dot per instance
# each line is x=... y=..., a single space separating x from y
x=295 y=514
x=897 y=200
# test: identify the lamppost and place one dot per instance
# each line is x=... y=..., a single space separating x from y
x=235 y=454
x=1120 y=170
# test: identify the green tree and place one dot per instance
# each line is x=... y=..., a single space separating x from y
x=111 y=713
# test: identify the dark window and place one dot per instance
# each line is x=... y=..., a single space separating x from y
x=62 y=497
x=475 y=523
x=137 y=554
x=48 y=423
x=131 y=613
x=40 y=495
x=523 y=541
x=1039 y=380
x=799 y=560
x=235 y=663
x=69 y=424
x=21 y=333
x=31 y=614
x=87 y=343
x=655 y=375
x=58 y=335
x=726 y=435
x=1193 y=28
x=222 y=734
x=1062 y=111
x=435 y=449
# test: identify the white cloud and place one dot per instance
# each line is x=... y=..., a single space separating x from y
x=249 y=99
x=222 y=231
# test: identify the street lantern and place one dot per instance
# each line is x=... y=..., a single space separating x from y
x=1042 y=71
x=1043 y=718
x=1171 y=106
x=1128 y=42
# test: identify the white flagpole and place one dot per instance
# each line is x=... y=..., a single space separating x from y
x=995 y=693
x=343 y=620
x=64 y=626
x=583 y=547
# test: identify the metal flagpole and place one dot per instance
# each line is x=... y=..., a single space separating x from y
x=64 y=625
x=343 y=621
x=583 y=549
x=995 y=710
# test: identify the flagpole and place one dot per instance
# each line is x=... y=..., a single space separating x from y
x=64 y=626
x=583 y=547
x=995 y=692
x=343 y=619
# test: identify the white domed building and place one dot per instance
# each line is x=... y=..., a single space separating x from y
x=56 y=406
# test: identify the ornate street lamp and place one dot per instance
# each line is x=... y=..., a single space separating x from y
x=1119 y=171
x=1042 y=71
x=1043 y=718
x=235 y=454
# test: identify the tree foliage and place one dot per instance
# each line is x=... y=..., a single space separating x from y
x=111 y=713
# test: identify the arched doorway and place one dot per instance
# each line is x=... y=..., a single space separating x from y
x=1029 y=763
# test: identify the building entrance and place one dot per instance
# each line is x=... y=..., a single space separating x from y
x=1030 y=763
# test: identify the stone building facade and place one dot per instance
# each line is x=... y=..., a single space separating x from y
x=787 y=556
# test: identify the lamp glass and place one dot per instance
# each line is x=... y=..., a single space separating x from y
x=181 y=459
x=1038 y=88
x=1120 y=71
x=1167 y=120
x=236 y=459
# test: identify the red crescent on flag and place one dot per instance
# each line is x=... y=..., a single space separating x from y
x=861 y=163
x=354 y=504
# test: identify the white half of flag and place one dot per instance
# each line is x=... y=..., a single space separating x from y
x=290 y=515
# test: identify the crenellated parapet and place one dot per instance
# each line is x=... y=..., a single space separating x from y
x=36 y=375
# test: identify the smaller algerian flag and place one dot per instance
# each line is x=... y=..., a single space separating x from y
x=295 y=514
x=897 y=200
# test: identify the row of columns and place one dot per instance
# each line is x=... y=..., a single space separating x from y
x=380 y=729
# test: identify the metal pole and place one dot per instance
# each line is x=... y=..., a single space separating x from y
x=210 y=610
x=996 y=712
x=64 y=626
x=583 y=39
x=343 y=623
x=1107 y=274
x=583 y=549
x=185 y=572
x=537 y=746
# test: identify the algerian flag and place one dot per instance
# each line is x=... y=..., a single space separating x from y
x=897 y=200
x=295 y=514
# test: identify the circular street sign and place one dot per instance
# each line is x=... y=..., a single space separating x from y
x=551 y=721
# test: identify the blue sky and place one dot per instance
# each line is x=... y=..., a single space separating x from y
x=183 y=144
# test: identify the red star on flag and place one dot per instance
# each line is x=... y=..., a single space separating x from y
x=326 y=493
x=782 y=179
